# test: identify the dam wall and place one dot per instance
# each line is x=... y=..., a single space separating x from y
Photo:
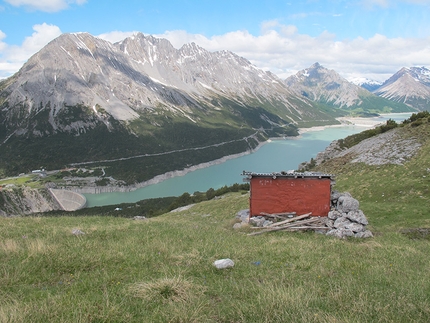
x=68 y=200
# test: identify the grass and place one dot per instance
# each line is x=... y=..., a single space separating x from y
x=160 y=269
x=18 y=181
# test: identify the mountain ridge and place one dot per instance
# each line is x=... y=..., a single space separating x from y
x=83 y=99
x=143 y=96
x=410 y=86
x=328 y=87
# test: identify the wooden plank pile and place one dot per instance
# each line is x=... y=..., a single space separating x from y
x=291 y=222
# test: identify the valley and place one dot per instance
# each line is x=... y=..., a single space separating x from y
x=214 y=162
x=105 y=102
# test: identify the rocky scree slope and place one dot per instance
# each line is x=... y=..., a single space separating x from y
x=395 y=146
x=25 y=201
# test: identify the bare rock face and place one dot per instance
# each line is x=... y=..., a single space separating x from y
x=389 y=147
x=25 y=200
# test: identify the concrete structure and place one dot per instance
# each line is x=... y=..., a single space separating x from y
x=68 y=200
x=289 y=192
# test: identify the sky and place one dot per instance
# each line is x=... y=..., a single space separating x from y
x=356 y=38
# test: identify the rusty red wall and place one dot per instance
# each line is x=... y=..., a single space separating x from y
x=300 y=195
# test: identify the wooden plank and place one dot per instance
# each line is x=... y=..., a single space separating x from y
x=278 y=214
x=286 y=226
x=289 y=220
x=308 y=227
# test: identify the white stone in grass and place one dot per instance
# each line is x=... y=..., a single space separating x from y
x=223 y=263
x=77 y=232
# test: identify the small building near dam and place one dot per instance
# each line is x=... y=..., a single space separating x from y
x=289 y=192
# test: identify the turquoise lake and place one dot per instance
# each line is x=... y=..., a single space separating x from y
x=274 y=156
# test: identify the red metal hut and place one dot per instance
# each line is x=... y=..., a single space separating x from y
x=289 y=192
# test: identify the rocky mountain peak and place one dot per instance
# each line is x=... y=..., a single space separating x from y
x=328 y=87
x=321 y=84
x=139 y=76
x=410 y=86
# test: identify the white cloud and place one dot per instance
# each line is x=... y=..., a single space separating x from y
x=279 y=48
x=388 y=3
x=372 y=3
x=284 y=51
x=2 y=44
x=13 y=57
x=45 y=5
x=116 y=36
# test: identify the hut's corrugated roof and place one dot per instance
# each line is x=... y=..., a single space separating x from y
x=288 y=174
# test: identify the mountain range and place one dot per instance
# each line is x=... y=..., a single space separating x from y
x=327 y=87
x=82 y=99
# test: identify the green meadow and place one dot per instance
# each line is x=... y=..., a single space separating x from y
x=161 y=269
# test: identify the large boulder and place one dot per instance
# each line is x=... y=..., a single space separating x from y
x=357 y=216
x=347 y=204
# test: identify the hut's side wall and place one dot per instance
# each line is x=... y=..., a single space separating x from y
x=300 y=195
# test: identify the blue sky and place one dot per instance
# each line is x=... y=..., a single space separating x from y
x=357 y=38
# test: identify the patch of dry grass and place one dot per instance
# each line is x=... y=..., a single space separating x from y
x=176 y=289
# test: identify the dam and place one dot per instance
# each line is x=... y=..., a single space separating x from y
x=68 y=200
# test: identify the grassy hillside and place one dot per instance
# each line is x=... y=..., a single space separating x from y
x=160 y=269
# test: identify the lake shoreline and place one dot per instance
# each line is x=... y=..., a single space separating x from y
x=365 y=123
x=344 y=121
x=159 y=178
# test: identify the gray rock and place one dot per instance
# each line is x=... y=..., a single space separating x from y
x=341 y=223
x=257 y=221
x=267 y=222
x=333 y=215
x=329 y=223
x=340 y=233
x=223 y=263
x=356 y=227
x=139 y=217
x=347 y=232
x=357 y=216
x=346 y=204
x=335 y=196
x=364 y=234
x=182 y=208
x=243 y=215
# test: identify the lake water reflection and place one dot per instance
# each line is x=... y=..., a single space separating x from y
x=274 y=156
